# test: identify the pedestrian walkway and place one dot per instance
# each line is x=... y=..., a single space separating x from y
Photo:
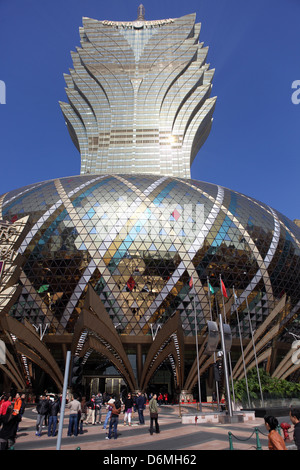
x=173 y=436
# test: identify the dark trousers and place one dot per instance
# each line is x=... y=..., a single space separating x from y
x=3 y=444
x=52 y=425
x=73 y=425
x=156 y=425
x=141 y=415
x=113 y=424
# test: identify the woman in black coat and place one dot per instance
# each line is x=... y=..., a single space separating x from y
x=8 y=431
x=128 y=402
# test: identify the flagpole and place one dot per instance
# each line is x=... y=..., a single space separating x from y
x=232 y=387
x=242 y=349
x=253 y=344
x=218 y=315
x=225 y=355
x=229 y=355
x=210 y=311
x=197 y=353
x=230 y=364
x=224 y=311
x=209 y=301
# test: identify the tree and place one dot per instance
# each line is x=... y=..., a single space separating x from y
x=272 y=387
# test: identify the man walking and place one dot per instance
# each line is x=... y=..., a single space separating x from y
x=42 y=409
x=52 y=422
x=91 y=410
x=140 y=404
x=113 y=424
x=153 y=409
x=75 y=408
x=295 y=418
x=98 y=403
x=108 y=415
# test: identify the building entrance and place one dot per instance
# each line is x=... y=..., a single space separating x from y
x=110 y=385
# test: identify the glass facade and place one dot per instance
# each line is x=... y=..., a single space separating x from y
x=139 y=96
x=138 y=240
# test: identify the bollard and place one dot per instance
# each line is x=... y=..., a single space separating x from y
x=258 y=446
x=230 y=441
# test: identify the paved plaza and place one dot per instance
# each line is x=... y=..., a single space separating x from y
x=173 y=434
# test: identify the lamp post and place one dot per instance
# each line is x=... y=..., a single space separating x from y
x=197 y=355
x=225 y=366
x=63 y=401
x=224 y=348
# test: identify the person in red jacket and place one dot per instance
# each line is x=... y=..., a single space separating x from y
x=91 y=410
x=8 y=423
x=17 y=404
x=5 y=404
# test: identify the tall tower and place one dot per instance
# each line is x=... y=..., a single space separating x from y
x=139 y=96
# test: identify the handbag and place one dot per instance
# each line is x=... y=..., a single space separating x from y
x=154 y=415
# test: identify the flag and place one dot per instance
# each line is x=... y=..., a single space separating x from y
x=211 y=289
x=191 y=282
x=223 y=289
x=235 y=297
x=130 y=283
x=175 y=214
x=43 y=288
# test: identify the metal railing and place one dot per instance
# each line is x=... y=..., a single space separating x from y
x=256 y=431
x=257 y=445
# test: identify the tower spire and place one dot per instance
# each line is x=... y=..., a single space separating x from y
x=141 y=13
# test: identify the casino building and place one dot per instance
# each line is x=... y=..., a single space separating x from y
x=122 y=264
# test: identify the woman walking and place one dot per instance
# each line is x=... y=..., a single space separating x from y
x=128 y=402
x=153 y=409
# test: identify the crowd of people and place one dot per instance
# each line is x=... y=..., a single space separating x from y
x=83 y=412
x=105 y=409
x=11 y=412
x=48 y=409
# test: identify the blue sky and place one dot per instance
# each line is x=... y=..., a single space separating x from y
x=254 y=46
